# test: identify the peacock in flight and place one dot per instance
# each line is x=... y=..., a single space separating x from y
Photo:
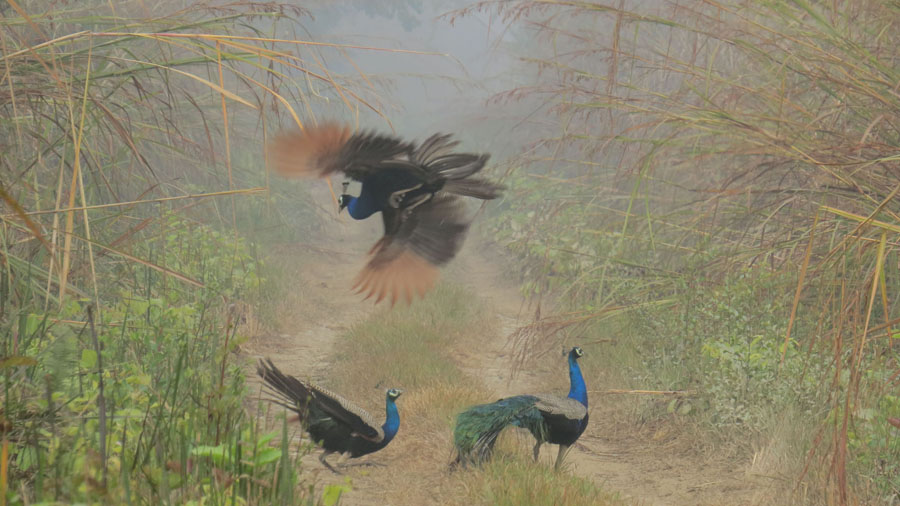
x=337 y=424
x=416 y=189
x=550 y=418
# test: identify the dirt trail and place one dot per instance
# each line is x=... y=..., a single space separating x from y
x=646 y=466
x=649 y=465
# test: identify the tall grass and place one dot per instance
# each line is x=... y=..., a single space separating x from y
x=132 y=162
x=698 y=146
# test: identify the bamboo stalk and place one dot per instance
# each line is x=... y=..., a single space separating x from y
x=136 y=202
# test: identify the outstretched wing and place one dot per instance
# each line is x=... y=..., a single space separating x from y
x=303 y=397
x=329 y=148
x=415 y=243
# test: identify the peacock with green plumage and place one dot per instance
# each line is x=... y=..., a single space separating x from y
x=550 y=419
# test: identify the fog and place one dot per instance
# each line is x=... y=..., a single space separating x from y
x=701 y=193
x=474 y=56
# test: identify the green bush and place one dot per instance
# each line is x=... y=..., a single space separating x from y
x=175 y=427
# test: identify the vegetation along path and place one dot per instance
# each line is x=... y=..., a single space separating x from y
x=328 y=335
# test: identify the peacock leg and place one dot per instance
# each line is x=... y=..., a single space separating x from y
x=562 y=453
x=325 y=462
x=537 y=450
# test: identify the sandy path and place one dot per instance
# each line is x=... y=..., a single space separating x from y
x=644 y=465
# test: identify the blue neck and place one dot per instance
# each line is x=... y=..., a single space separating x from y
x=358 y=209
x=577 y=388
x=392 y=423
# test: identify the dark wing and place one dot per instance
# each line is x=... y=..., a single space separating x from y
x=323 y=150
x=368 y=151
x=415 y=243
x=301 y=397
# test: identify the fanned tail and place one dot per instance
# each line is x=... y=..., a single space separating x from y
x=435 y=155
x=478 y=427
x=474 y=187
x=457 y=166
x=291 y=392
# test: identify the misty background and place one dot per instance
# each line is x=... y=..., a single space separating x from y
x=703 y=194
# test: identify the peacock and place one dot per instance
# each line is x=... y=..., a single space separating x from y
x=550 y=418
x=415 y=188
x=337 y=424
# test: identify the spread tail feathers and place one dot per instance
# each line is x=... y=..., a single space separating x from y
x=478 y=427
x=474 y=187
x=291 y=392
x=435 y=154
x=457 y=166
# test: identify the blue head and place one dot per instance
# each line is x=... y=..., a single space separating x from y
x=392 y=421
x=358 y=207
x=577 y=388
x=344 y=201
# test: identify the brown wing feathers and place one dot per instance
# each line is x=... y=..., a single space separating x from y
x=322 y=150
x=314 y=152
x=404 y=276
x=405 y=261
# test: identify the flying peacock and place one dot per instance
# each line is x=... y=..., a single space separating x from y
x=415 y=188
x=335 y=423
x=550 y=418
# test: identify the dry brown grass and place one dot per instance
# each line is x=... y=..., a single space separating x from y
x=700 y=140
x=413 y=348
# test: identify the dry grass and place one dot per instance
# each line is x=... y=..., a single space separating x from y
x=413 y=348
x=132 y=143
x=693 y=141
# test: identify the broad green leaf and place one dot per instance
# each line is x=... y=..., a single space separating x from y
x=267 y=456
x=88 y=359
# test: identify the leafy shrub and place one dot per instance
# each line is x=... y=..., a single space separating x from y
x=875 y=443
x=175 y=427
